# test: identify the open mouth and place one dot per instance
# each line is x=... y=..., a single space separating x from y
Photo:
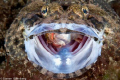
x=62 y=51
x=54 y=42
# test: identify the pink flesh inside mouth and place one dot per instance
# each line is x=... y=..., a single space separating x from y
x=73 y=46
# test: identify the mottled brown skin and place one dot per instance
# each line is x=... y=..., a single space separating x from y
x=31 y=15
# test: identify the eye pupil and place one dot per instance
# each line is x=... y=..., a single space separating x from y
x=85 y=11
x=44 y=11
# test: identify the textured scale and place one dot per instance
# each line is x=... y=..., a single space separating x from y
x=31 y=15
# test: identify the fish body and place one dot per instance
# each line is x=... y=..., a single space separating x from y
x=93 y=21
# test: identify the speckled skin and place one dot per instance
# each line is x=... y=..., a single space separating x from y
x=14 y=38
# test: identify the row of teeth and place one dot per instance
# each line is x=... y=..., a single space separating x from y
x=53 y=27
x=31 y=36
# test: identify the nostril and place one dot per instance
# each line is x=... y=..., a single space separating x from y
x=64 y=7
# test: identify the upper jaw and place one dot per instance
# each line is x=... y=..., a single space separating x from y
x=55 y=27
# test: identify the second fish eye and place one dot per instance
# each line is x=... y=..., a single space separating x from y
x=44 y=11
x=85 y=11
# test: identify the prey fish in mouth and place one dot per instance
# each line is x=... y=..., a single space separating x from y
x=62 y=40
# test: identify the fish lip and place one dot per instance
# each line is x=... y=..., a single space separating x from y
x=82 y=28
x=37 y=56
x=36 y=52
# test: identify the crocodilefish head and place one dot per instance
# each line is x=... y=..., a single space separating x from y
x=63 y=38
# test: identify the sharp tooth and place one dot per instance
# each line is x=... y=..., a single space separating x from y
x=63 y=30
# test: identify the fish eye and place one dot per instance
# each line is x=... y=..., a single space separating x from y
x=44 y=11
x=85 y=11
